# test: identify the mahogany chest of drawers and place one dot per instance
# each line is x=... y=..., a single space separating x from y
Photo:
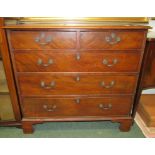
x=77 y=73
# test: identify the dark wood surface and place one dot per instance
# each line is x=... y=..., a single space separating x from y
x=67 y=84
x=67 y=40
x=80 y=106
x=97 y=40
x=72 y=77
x=72 y=61
x=58 y=40
x=149 y=71
x=10 y=123
x=140 y=80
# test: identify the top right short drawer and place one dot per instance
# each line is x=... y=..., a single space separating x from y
x=112 y=40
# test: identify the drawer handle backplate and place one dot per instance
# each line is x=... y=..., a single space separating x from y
x=43 y=40
x=49 y=108
x=112 y=83
x=44 y=86
x=105 y=106
x=40 y=62
x=112 y=39
x=106 y=62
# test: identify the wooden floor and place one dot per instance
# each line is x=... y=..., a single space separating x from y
x=149 y=132
x=145 y=117
x=146 y=109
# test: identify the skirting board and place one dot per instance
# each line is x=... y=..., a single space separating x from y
x=149 y=132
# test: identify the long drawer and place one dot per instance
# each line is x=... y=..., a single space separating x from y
x=72 y=83
x=112 y=39
x=103 y=106
x=42 y=39
x=72 y=61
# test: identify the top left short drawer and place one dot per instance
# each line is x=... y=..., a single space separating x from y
x=42 y=39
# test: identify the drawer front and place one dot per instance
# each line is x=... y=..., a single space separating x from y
x=77 y=62
x=42 y=40
x=104 y=106
x=112 y=40
x=71 y=84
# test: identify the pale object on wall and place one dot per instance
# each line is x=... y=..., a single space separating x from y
x=152 y=24
x=151 y=32
x=148 y=91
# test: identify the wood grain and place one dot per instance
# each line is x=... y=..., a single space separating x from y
x=59 y=40
x=66 y=84
x=34 y=107
x=66 y=61
x=97 y=40
x=149 y=73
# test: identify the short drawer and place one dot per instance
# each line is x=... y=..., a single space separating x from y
x=42 y=40
x=103 y=106
x=77 y=62
x=112 y=39
x=72 y=84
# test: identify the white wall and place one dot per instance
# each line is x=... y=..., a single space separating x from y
x=152 y=24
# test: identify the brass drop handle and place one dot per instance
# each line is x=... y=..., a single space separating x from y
x=112 y=39
x=112 y=83
x=105 y=106
x=43 y=40
x=77 y=100
x=78 y=57
x=44 y=86
x=40 y=62
x=106 y=62
x=49 y=109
